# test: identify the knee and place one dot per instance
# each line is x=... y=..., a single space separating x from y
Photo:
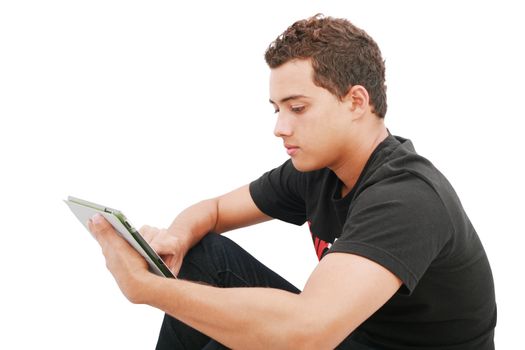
x=214 y=245
x=211 y=239
x=201 y=250
x=207 y=246
x=203 y=260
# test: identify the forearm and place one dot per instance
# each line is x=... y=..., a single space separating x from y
x=240 y=318
x=228 y=212
x=193 y=223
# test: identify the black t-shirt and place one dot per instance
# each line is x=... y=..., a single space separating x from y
x=403 y=214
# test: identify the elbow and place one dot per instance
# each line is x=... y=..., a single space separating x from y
x=309 y=335
x=300 y=340
x=288 y=333
x=315 y=332
x=303 y=340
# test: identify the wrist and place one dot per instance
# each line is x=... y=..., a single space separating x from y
x=147 y=283
x=182 y=237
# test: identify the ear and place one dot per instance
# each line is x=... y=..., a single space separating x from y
x=358 y=101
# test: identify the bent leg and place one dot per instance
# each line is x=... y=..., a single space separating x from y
x=220 y=262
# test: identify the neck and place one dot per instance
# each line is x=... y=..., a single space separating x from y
x=349 y=170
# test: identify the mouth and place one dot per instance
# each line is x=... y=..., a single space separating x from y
x=291 y=149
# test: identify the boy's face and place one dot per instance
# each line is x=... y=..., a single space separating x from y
x=314 y=124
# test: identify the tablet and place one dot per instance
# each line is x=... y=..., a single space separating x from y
x=85 y=210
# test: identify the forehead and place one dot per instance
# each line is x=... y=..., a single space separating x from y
x=292 y=78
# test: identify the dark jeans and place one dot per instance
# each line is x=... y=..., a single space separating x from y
x=220 y=262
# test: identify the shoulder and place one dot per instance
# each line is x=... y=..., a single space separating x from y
x=403 y=200
x=403 y=174
x=400 y=223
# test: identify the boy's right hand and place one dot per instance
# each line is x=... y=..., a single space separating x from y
x=166 y=244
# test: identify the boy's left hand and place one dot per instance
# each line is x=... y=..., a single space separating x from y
x=127 y=266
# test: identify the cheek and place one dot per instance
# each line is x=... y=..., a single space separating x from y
x=321 y=139
x=317 y=154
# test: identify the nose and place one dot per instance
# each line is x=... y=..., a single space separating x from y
x=283 y=126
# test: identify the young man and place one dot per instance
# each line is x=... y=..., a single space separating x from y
x=401 y=266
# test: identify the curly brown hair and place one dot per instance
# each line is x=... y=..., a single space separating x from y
x=341 y=54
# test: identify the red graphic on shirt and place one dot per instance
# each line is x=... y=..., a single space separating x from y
x=319 y=245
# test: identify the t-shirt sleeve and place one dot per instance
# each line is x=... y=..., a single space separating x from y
x=279 y=193
x=401 y=224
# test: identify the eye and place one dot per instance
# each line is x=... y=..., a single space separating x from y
x=276 y=110
x=297 y=108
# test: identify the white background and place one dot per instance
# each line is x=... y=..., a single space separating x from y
x=150 y=106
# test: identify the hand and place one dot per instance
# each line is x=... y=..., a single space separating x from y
x=166 y=244
x=128 y=267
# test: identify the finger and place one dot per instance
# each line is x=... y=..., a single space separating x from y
x=174 y=263
x=159 y=243
x=99 y=226
x=154 y=244
x=148 y=233
x=144 y=229
x=163 y=243
x=107 y=237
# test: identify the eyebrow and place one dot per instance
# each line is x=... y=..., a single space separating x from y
x=288 y=98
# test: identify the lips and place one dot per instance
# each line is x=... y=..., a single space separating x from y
x=291 y=149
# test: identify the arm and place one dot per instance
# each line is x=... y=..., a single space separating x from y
x=233 y=210
x=342 y=292
x=230 y=211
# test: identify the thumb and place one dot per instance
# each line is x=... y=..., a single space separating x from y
x=98 y=225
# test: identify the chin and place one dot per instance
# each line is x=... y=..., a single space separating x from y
x=303 y=166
